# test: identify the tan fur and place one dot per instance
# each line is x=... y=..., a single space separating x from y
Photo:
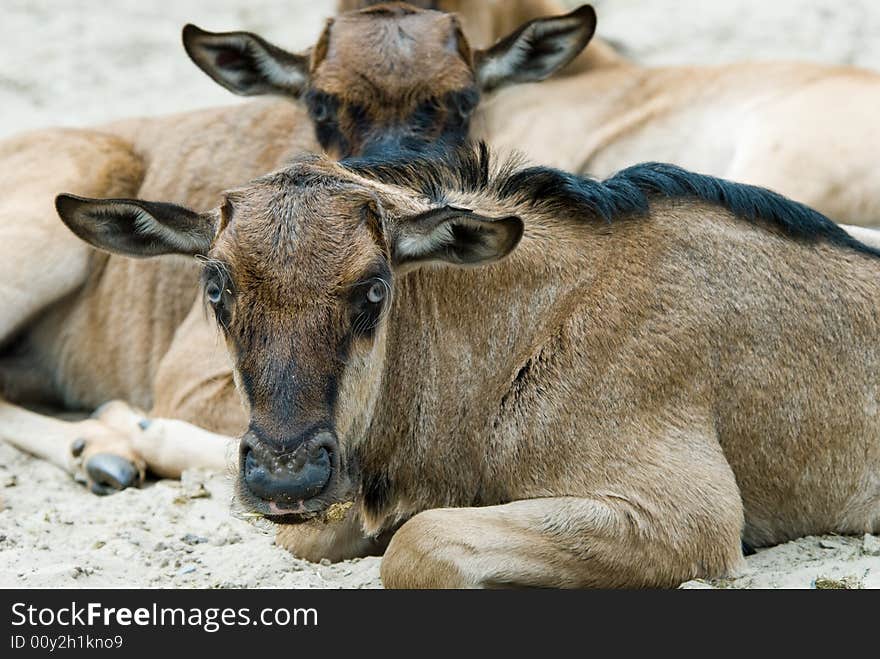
x=67 y=355
x=486 y=21
x=161 y=367
x=611 y=405
x=804 y=130
x=676 y=395
x=433 y=65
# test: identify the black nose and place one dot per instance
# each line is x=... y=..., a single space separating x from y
x=292 y=477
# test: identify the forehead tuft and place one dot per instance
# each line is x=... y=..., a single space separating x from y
x=298 y=228
x=391 y=50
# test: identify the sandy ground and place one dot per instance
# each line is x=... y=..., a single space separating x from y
x=78 y=62
x=168 y=534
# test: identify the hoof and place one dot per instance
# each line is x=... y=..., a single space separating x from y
x=78 y=447
x=110 y=473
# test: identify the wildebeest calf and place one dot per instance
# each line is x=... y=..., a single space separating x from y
x=640 y=373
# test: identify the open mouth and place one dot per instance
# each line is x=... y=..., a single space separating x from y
x=285 y=512
x=282 y=509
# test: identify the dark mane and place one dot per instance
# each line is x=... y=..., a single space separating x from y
x=627 y=193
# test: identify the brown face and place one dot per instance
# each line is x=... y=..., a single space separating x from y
x=390 y=78
x=300 y=268
x=301 y=277
x=301 y=304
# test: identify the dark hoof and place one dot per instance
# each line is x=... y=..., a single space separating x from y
x=110 y=473
x=78 y=447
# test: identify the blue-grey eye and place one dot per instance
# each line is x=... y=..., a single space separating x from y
x=376 y=293
x=213 y=292
x=320 y=113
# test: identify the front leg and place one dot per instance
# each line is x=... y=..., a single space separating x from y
x=91 y=450
x=167 y=446
x=563 y=542
x=171 y=446
x=662 y=509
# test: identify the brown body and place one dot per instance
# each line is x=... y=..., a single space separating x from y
x=605 y=401
x=804 y=130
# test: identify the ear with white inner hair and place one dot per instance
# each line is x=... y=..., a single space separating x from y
x=245 y=63
x=536 y=50
x=132 y=227
x=454 y=235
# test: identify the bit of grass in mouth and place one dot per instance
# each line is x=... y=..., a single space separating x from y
x=337 y=511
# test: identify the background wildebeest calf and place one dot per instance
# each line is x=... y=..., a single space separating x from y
x=663 y=364
x=802 y=129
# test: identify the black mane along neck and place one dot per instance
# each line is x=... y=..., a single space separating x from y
x=469 y=170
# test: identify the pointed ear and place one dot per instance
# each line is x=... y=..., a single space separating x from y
x=536 y=50
x=137 y=228
x=246 y=64
x=454 y=235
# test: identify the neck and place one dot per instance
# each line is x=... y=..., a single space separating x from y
x=457 y=340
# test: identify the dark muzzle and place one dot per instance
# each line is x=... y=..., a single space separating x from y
x=289 y=479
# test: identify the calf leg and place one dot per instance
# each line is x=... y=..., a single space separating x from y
x=41 y=261
x=561 y=542
x=113 y=449
x=167 y=446
x=90 y=450
x=171 y=446
x=674 y=514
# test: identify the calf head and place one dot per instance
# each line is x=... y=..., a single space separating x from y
x=390 y=77
x=300 y=271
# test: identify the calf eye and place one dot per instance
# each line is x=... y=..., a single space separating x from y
x=213 y=292
x=323 y=107
x=465 y=102
x=320 y=113
x=376 y=293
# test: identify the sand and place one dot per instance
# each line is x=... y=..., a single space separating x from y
x=168 y=534
x=82 y=62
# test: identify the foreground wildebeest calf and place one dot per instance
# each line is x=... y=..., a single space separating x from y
x=391 y=77
x=641 y=372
